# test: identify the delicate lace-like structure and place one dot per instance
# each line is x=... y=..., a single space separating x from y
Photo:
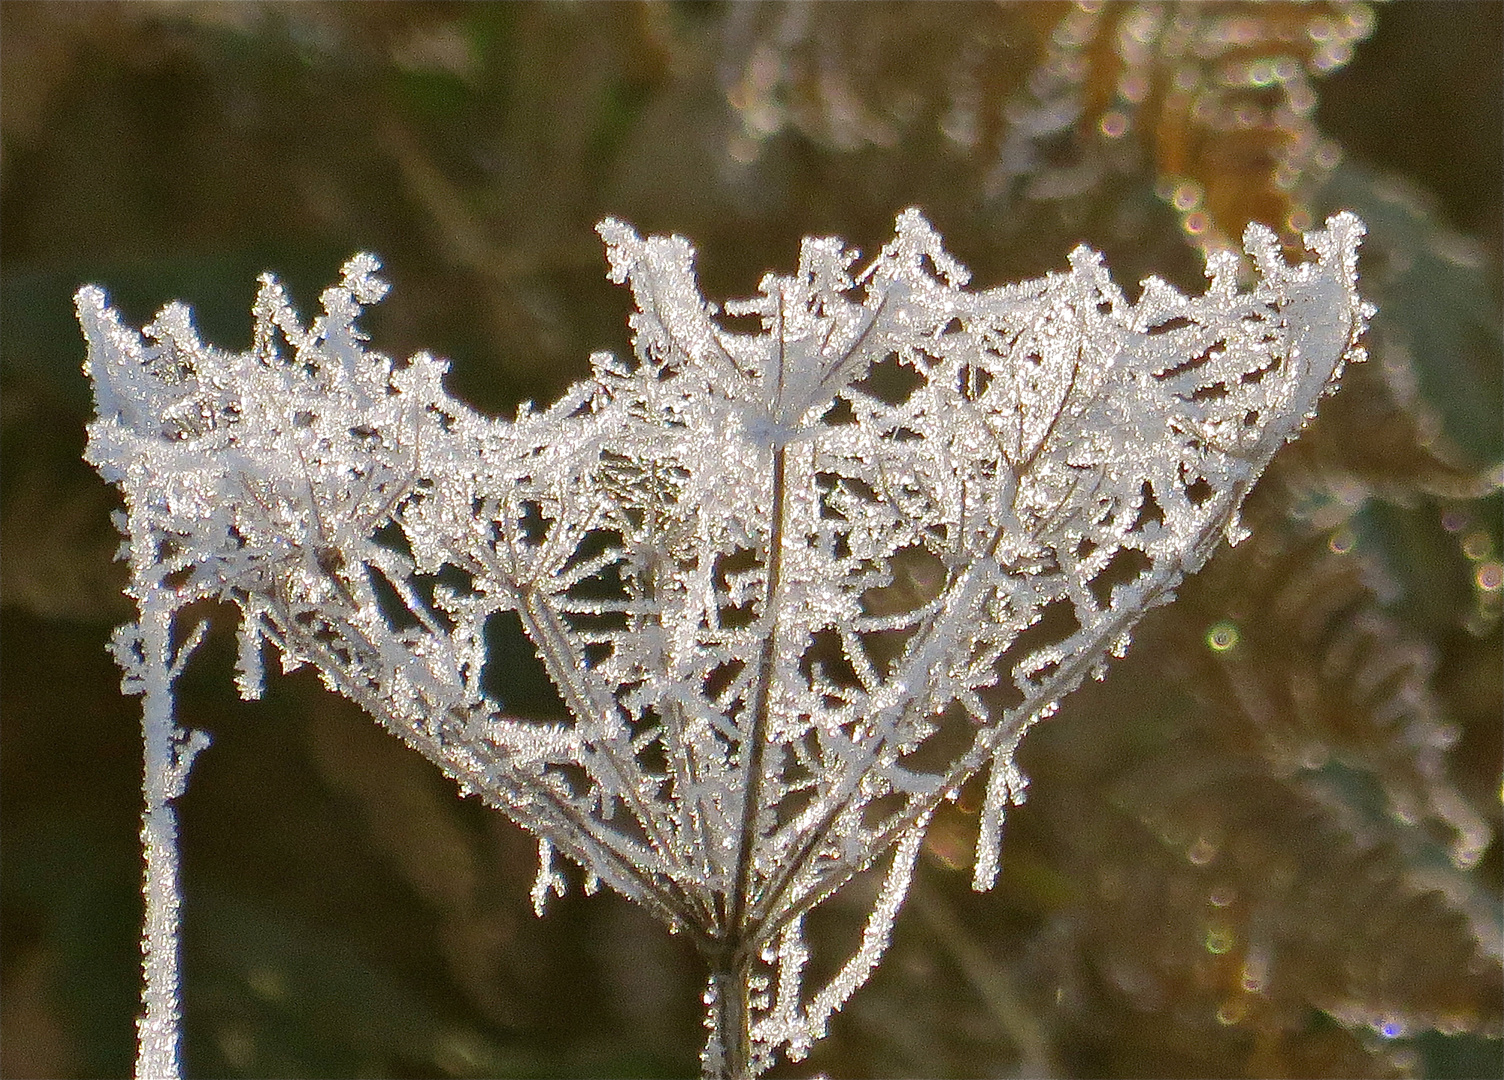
x=795 y=586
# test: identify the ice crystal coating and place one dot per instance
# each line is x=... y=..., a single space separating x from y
x=795 y=586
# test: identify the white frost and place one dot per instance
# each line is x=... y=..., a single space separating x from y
x=766 y=570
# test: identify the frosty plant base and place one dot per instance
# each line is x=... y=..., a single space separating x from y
x=795 y=587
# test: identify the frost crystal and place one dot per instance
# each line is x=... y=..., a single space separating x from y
x=795 y=586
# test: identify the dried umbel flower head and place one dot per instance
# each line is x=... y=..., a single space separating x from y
x=796 y=587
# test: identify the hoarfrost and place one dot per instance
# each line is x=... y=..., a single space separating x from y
x=795 y=586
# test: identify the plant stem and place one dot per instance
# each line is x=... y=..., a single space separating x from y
x=731 y=965
x=730 y=1016
x=158 y=1026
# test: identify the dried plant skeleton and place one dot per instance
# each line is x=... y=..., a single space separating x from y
x=795 y=586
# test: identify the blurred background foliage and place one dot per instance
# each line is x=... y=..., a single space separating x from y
x=1266 y=845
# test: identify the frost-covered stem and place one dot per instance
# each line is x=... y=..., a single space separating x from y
x=158 y=1027
x=730 y=1019
x=753 y=750
x=729 y=1053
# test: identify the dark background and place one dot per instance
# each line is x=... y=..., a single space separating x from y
x=346 y=915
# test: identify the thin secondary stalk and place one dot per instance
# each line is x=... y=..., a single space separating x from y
x=157 y=1028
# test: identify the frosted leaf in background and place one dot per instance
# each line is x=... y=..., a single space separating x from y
x=796 y=587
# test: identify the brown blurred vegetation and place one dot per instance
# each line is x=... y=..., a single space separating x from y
x=1266 y=845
